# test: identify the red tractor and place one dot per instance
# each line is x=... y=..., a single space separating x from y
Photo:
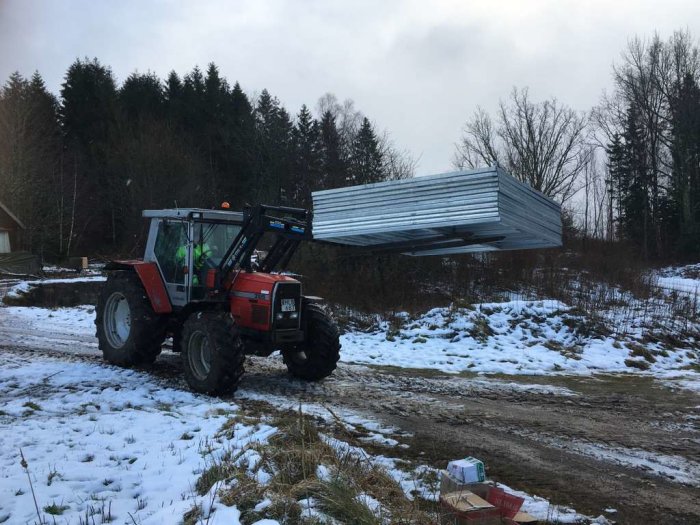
x=203 y=282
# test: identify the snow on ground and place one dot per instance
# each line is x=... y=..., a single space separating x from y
x=22 y=287
x=78 y=319
x=683 y=281
x=118 y=445
x=543 y=510
x=104 y=441
x=674 y=468
x=513 y=338
x=64 y=330
x=61 y=271
x=689 y=271
x=516 y=337
x=688 y=287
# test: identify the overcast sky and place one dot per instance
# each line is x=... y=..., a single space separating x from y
x=417 y=68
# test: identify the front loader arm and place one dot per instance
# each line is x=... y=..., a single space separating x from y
x=290 y=225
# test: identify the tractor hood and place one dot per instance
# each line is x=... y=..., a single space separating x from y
x=265 y=278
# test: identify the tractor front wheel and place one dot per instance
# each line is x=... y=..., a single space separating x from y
x=318 y=355
x=129 y=332
x=212 y=353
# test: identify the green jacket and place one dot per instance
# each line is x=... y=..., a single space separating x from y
x=201 y=254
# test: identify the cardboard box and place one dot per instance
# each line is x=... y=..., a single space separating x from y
x=523 y=518
x=466 y=508
x=449 y=484
x=507 y=505
x=467 y=470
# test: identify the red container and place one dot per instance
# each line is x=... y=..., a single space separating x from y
x=508 y=504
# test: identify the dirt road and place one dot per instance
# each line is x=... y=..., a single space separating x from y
x=630 y=444
x=589 y=443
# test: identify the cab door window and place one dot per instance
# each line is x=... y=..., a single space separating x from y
x=171 y=250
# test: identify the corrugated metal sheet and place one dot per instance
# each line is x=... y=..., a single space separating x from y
x=458 y=212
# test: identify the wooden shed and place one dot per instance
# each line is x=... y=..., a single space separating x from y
x=10 y=230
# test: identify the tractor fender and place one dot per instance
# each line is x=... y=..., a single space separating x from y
x=150 y=279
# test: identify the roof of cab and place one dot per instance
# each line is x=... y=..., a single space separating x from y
x=196 y=214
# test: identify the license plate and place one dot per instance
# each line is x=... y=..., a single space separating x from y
x=289 y=305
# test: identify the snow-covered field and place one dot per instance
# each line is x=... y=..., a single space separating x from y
x=119 y=446
x=518 y=337
x=104 y=441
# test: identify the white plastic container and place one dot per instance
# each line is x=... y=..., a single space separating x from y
x=467 y=470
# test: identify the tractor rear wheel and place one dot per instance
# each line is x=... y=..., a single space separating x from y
x=129 y=332
x=318 y=355
x=212 y=353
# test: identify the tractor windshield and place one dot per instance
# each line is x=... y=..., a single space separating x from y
x=211 y=240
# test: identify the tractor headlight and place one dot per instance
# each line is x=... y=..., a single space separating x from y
x=294 y=315
x=279 y=316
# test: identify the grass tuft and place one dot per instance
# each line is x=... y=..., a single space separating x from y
x=192 y=516
x=641 y=351
x=481 y=331
x=292 y=457
x=338 y=498
x=634 y=363
x=55 y=510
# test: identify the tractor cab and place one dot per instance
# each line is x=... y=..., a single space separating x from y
x=185 y=244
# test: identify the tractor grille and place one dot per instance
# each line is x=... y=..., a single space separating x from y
x=258 y=314
x=285 y=293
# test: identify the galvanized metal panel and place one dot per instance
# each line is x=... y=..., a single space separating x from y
x=476 y=204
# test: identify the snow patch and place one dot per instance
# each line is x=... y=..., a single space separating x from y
x=513 y=338
x=103 y=440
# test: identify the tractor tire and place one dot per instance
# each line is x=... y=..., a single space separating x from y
x=212 y=353
x=318 y=355
x=129 y=332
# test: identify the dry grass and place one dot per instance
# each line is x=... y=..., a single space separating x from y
x=348 y=484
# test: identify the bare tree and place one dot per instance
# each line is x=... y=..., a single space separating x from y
x=543 y=144
x=594 y=196
x=648 y=81
x=348 y=119
x=397 y=164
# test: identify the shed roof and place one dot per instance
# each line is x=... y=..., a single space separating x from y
x=12 y=216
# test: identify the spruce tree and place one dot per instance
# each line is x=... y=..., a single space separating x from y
x=141 y=96
x=617 y=175
x=366 y=162
x=636 y=218
x=174 y=99
x=88 y=116
x=307 y=172
x=685 y=152
x=274 y=150
x=29 y=161
x=238 y=184
x=334 y=165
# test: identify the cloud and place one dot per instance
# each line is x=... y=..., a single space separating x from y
x=417 y=68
